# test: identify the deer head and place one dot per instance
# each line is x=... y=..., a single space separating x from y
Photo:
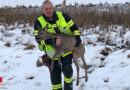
x=42 y=34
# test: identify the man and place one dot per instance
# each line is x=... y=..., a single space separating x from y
x=57 y=22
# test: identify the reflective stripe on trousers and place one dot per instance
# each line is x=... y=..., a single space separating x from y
x=56 y=87
x=68 y=80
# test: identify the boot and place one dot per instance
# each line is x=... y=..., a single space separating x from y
x=68 y=86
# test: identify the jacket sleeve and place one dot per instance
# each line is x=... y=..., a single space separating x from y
x=50 y=41
x=73 y=28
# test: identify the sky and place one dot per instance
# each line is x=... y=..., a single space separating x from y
x=14 y=3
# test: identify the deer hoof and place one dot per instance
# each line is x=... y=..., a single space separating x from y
x=86 y=79
x=77 y=84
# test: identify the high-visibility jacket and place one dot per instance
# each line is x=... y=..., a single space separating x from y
x=63 y=26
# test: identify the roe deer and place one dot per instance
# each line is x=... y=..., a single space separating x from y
x=67 y=45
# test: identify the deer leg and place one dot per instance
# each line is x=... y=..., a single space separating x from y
x=85 y=67
x=52 y=63
x=59 y=61
x=58 y=53
x=77 y=67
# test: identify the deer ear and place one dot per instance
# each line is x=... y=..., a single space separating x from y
x=39 y=28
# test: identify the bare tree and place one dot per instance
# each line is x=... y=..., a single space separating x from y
x=63 y=4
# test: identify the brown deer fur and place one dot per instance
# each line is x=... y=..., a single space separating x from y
x=68 y=43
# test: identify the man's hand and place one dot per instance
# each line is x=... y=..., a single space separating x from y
x=58 y=41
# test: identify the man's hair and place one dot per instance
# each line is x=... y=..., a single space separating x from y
x=46 y=1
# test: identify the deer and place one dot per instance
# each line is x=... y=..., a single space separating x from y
x=67 y=45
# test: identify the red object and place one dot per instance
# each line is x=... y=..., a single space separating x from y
x=0 y=79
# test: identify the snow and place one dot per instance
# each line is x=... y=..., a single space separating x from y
x=127 y=36
x=39 y=2
x=17 y=64
x=107 y=72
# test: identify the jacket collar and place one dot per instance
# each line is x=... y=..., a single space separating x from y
x=54 y=18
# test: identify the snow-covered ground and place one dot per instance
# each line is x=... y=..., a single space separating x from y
x=14 y=3
x=110 y=66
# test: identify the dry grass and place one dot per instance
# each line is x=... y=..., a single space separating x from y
x=84 y=16
x=106 y=51
x=128 y=55
x=7 y=44
x=29 y=46
x=12 y=15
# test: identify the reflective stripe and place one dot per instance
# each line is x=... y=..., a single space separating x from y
x=51 y=53
x=35 y=33
x=63 y=55
x=41 y=47
x=76 y=32
x=43 y=42
x=56 y=58
x=66 y=54
x=63 y=29
x=54 y=25
x=68 y=80
x=70 y=23
x=58 y=86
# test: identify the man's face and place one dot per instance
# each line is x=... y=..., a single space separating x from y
x=47 y=9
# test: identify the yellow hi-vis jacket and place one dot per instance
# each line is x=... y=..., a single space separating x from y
x=63 y=26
